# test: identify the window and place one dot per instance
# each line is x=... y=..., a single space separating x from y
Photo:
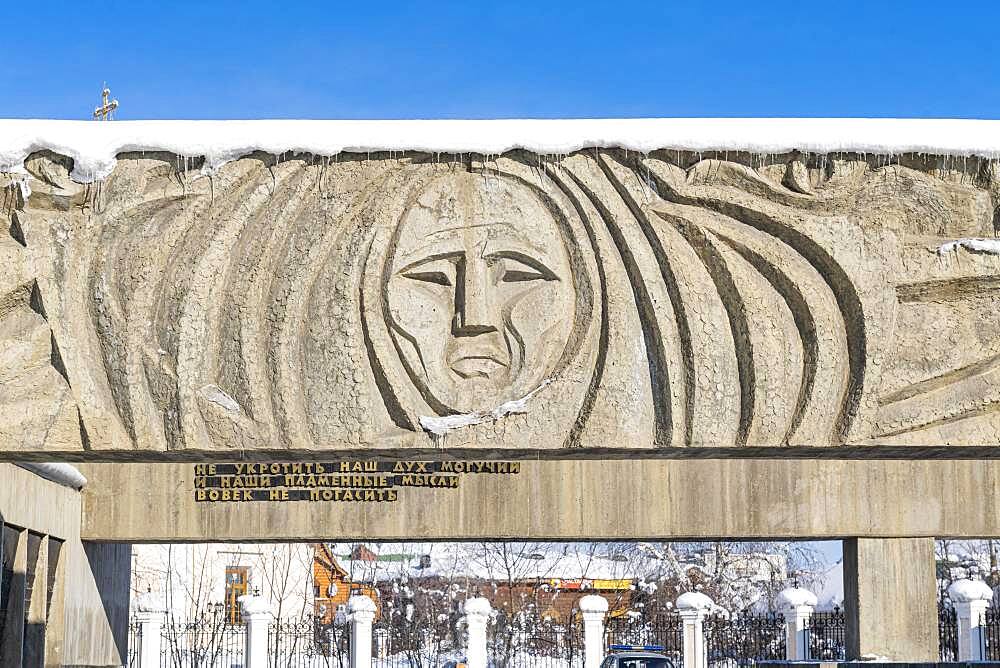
x=237 y=580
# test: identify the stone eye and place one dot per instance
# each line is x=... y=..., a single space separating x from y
x=520 y=276
x=518 y=268
x=436 y=277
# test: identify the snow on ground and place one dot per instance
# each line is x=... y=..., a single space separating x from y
x=94 y=145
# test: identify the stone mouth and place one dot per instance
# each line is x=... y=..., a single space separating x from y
x=477 y=366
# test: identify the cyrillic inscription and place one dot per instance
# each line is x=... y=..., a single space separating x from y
x=347 y=481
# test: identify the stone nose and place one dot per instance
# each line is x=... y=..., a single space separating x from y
x=475 y=308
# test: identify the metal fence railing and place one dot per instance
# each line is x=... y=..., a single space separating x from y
x=826 y=635
x=304 y=643
x=665 y=630
x=134 y=645
x=545 y=644
x=730 y=640
x=991 y=634
x=745 y=639
x=404 y=645
x=947 y=634
x=208 y=642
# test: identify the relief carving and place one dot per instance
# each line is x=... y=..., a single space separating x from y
x=604 y=299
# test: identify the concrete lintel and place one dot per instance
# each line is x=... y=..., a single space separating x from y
x=575 y=500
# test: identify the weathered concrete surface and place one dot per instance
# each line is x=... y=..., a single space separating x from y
x=622 y=499
x=85 y=621
x=602 y=299
x=890 y=598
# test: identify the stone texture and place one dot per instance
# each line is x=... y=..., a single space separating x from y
x=639 y=301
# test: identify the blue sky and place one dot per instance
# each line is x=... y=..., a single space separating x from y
x=500 y=60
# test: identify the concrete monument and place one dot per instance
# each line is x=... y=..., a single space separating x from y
x=595 y=343
x=604 y=299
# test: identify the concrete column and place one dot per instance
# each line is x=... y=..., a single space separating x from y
x=797 y=605
x=110 y=567
x=37 y=582
x=593 y=608
x=971 y=598
x=149 y=613
x=693 y=606
x=890 y=599
x=12 y=641
x=257 y=616
x=361 y=613
x=55 y=627
x=477 y=616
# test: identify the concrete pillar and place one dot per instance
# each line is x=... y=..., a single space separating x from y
x=33 y=655
x=15 y=552
x=593 y=608
x=477 y=616
x=971 y=598
x=257 y=616
x=693 y=606
x=149 y=613
x=797 y=605
x=890 y=599
x=361 y=613
x=55 y=627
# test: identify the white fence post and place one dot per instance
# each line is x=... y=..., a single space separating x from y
x=149 y=613
x=797 y=605
x=361 y=613
x=971 y=598
x=592 y=609
x=257 y=617
x=477 y=615
x=693 y=607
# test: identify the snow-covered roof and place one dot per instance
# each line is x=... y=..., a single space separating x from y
x=457 y=560
x=94 y=145
x=831 y=594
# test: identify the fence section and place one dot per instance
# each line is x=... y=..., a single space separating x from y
x=545 y=644
x=665 y=630
x=742 y=640
x=948 y=634
x=307 y=644
x=403 y=645
x=208 y=642
x=826 y=636
x=134 y=644
x=991 y=634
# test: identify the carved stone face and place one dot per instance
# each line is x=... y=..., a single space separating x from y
x=480 y=292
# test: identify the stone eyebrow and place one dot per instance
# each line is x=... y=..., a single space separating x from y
x=469 y=227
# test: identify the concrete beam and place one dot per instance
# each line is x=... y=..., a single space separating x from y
x=575 y=500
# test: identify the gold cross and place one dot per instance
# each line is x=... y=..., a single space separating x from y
x=103 y=112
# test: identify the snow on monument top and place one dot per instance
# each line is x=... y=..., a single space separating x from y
x=794 y=597
x=94 y=146
x=964 y=591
